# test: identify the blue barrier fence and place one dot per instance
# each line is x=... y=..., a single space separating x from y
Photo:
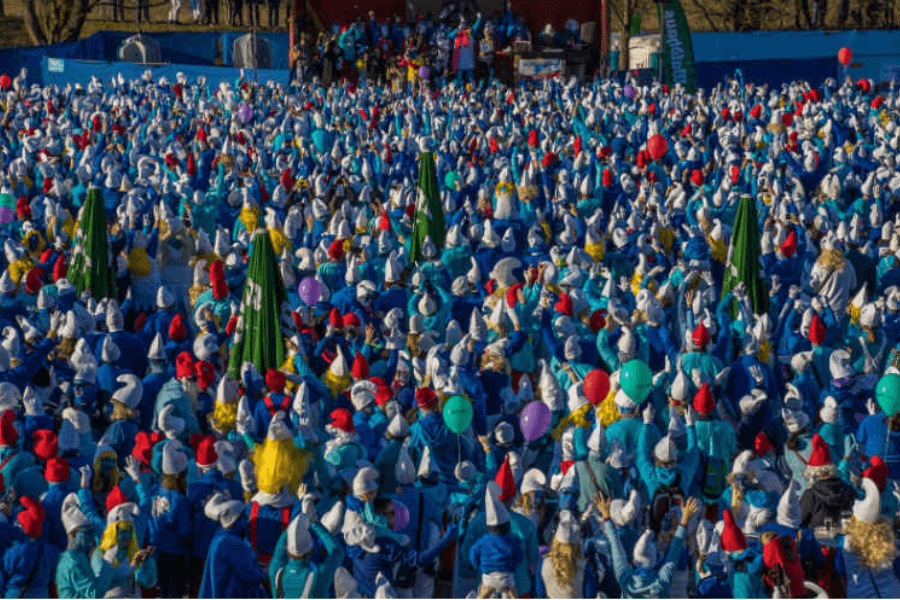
x=764 y=57
x=61 y=71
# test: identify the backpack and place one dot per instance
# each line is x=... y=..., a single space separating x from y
x=714 y=475
x=665 y=499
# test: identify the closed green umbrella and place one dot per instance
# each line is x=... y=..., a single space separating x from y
x=257 y=336
x=91 y=259
x=429 y=211
x=742 y=265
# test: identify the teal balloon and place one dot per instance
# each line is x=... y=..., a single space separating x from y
x=887 y=392
x=450 y=180
x=636 y=380
x=457 y=414
x=7 y=201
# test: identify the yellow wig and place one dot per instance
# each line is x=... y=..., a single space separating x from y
x=872 y=542
x=249 y=218
x=607 y=411
x=224 y=416
x=577 y=418
x=279 y=464
x=110 y=535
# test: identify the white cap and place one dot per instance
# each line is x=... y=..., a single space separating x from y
x=299 y=540
x=868 y=510
x=645 y=551
x=495 y=510
x=71 y=514
x=365 y=481
x=534 y=480
x=168 y=423
x=221 y=509
x=788 y=512
x=131 y=392
x=174 y=460
x=156 y=348
x=404 y=470
x=665 y=451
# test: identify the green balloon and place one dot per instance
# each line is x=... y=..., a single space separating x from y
x=7 y=201
x=636 y=380
x=450 y=180
x=887 y=392
x=457 y=414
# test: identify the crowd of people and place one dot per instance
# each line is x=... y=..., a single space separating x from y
x=671 y=319
x=459 y=43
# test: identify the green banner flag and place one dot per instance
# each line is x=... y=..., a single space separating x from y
x=429 y=221
x=92 y=259
x=257 y=336
x=677 y=50
x=742 y=265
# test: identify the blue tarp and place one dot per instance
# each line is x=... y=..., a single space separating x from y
x=63 y=71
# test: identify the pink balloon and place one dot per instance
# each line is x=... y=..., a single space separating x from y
x=534 y=420
x=310 y=290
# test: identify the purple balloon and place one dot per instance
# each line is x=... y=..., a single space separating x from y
x=534 y=420
x=423 y=72
x=245 y=113
x=7 y=215
x=401 y=516
x=310 y=290
x=629 y=91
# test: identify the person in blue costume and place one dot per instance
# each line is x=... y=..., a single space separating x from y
x=306 y=559
x=170 y=526
x=662 y=467
x=75 y=575
x=27 y=566
x=124 y=417
x=212 y=481
x=371 y=555
x=179 y=392
x=231 y=569
x=430 y=431
x=649 y=577
x=521 y=529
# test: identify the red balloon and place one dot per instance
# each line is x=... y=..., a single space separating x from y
x=5 y=81
x=657 y=146
x=845 y=56
x=596 y=386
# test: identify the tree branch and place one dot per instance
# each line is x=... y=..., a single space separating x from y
x=705 y=14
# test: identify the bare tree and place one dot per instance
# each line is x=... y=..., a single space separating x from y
x=55 y=21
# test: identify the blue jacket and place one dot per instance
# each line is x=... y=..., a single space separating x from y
x=430 y=430
x=641 y=582
x=20 y=560
x=231 y=569
x=170 y=525
x=494 y=553
x=197 y=494
x=327 y=556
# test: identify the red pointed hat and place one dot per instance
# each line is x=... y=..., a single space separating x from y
x=32 y=518
x=342 y=419
x=821 y=455
x=206 y=452
x=506 y=481
x=817 y=330
x=115 y=497
x=877 y=472
x=177 y=328
x=57 y=470
x=789 y=245
x=732 y=537
x=360 y=369
x=184 y=365
x=46 y=445
x=426 y=398
x=762 y=445
x=217 y=279
x=9 y=435
x=700 y=336
x=704 y=403
x=275 y=380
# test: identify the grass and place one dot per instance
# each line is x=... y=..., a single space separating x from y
x=14 y=33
